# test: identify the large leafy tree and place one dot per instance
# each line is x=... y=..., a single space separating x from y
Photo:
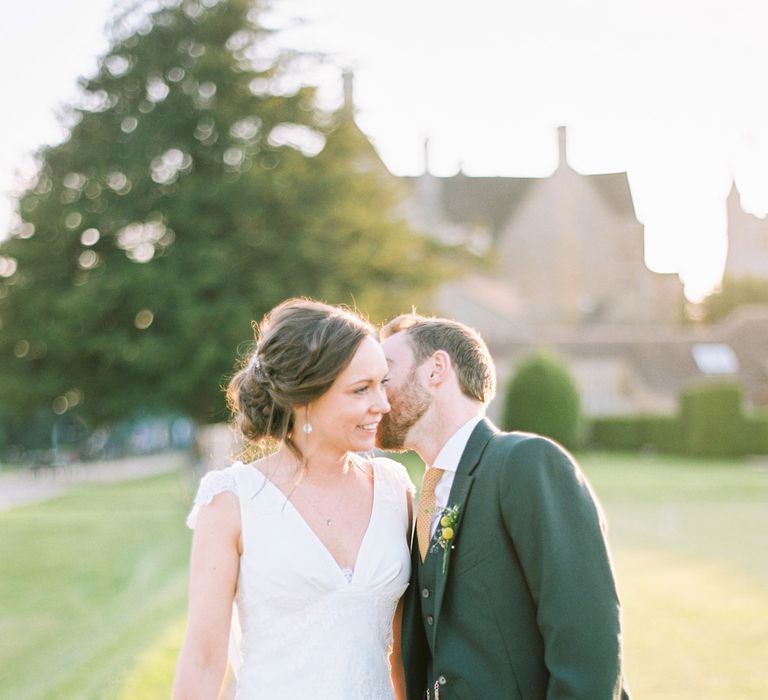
x=199 y=185
x=734 y=292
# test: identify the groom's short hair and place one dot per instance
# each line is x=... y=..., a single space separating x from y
x=468 y=352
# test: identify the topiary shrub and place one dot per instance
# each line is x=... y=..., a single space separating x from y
x=542 y=398
x=712 y=421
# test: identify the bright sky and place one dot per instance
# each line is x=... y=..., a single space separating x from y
x=670 y=91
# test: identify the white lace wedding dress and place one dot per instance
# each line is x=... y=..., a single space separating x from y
x=304 y=627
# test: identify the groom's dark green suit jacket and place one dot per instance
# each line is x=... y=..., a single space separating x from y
x=527 y=606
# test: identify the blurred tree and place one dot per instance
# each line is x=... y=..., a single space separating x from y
x=199 y=185
x=734 y=292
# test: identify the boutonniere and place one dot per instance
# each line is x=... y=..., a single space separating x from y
x=449 y=520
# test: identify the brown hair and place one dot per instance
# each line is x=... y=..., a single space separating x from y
x=468 y=352
x=301 y=347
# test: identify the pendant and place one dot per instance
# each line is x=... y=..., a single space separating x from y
x=329 y=522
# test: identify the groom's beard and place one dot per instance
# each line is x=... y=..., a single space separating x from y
x=407 y=406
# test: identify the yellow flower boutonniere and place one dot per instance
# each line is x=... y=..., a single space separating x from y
x=449 y=520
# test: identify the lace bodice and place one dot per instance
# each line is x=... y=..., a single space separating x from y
x=308 y=628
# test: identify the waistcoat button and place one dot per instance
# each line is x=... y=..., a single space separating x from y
x=425 y=592
x=430 y=620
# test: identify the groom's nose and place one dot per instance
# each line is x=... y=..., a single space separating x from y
x=382 y=404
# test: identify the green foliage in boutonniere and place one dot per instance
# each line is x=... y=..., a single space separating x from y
x=449 y=520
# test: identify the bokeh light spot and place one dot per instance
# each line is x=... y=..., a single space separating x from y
x=117 y=65
x=144 y=319
x=74 y=181
x=157 y=90
x=73 y=220
x=166 y=168
x=129 y=124
x=246 y=129
x=139 y=240
x=26 y=230
x=175 y=74
x=8 y=266
x=90 y=236
x=88 y=260
x=21 y=348
x=118 y=182
x=234 y=157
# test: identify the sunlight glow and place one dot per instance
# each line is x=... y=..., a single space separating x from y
x=671 y=93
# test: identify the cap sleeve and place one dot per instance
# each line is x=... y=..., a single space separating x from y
x=399 y=473
x=212 y=484
x=405 y=478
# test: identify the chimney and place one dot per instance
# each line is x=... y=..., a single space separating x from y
x=561 y=144
x=349 y=92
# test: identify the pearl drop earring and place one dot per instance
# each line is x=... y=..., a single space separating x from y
x=307 y=427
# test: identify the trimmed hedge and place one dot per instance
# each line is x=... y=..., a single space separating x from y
x=757 y=431
x=542 y=398
x=664 y=433
x=633 y=433
x=711 y=423
x=712 y=420
x=618 y=433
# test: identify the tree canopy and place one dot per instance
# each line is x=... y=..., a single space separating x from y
x=199 y=185
x=734 y=292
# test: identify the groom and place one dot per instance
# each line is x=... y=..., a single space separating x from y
x=512 y=593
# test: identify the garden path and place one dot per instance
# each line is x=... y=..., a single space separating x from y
x=23 y=486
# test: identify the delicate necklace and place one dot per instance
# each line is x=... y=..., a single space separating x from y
x=342 y=491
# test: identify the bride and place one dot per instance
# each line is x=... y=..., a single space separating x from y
x=309 y=543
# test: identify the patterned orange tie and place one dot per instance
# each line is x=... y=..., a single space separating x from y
x=426 y=508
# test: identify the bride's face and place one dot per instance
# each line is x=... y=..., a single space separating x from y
x=347 y=416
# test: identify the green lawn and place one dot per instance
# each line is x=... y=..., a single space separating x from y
x=89 y=583
x=690 y=540
x=93 y=585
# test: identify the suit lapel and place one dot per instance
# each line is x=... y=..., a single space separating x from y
x=462 y=484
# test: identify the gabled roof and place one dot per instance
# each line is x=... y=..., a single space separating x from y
x=614 y=189
x=488 y=201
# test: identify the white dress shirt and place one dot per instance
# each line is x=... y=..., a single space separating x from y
x=448 y=460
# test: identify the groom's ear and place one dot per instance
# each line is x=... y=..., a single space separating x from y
x=440 y=367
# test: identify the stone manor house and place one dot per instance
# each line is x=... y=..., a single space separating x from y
x=568 y=274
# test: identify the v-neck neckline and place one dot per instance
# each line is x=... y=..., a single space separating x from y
x=338 y=567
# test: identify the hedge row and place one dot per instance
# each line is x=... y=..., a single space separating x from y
x=710 y=423
x=632 y=433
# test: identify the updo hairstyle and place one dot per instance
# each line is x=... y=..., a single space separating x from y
x=301 y=347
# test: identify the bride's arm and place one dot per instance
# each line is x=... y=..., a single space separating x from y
x=397 y=672
x=213 y=570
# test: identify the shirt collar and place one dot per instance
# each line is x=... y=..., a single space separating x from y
x=449 y=456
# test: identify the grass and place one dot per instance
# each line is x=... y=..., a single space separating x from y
x=93 y=606
x=90 y=581
x=690 y=540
